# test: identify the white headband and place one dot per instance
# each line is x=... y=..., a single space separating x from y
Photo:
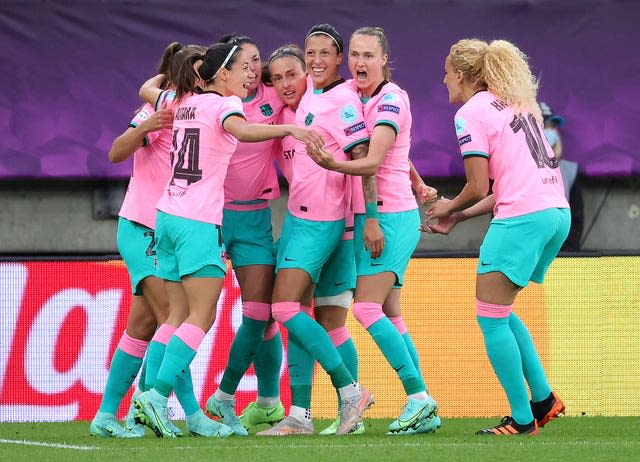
x=328 y=35
x=226 y=60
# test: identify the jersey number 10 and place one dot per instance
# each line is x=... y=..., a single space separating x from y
x=534 y=139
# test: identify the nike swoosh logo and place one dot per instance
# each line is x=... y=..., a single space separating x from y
x=398 y=369
x=376 y=264
x=289 y=259
x=484 y=264
x=269 y=414
x=339 y=283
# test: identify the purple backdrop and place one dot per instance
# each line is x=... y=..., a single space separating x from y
x=71 y=70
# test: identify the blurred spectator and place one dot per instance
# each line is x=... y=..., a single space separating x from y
x=570 y=176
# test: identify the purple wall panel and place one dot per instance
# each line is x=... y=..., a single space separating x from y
x=71 y=70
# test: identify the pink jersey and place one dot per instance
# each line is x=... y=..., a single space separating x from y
x=251 y=174
x=200 y=157
x=336 y=114
x=284 y=149
x=151 y=170
x=521 y=162
x=389 y=106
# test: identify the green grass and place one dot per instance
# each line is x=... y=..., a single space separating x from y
x=573 y=439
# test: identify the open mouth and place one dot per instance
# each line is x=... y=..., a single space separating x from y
x=361 y=75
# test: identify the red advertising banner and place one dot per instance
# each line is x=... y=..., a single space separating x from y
x=60 y=325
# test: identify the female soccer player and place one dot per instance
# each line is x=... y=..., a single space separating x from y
x=248 y=238
x=387 y=225
x=317 y=203
x=148 y=139
x=499 y=130
x=206 y=128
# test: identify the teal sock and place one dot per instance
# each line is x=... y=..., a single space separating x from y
x=393 y=348
x=301 y=366
x=153 y=360
x=243 y=350
x=504 y=355
x=177 y=358
x=142 y=385
x=267 y=366
x=531 y=364
x=349 y=355
x=184 y=393
x=318 y=343
x=411 y=348
x=123 y=371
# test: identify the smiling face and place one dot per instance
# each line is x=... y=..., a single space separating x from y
x=240 y=77
x=453 y=81
x=366 y=62
x=255 y=65
x=288 y=79
x=322 y=60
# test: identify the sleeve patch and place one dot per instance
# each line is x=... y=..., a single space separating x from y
x=464 y=140
x=388 y=108
x=460 y=124
x=354 y=128
x=348 y=114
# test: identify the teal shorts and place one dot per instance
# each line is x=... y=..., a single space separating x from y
x=523 y=247
x=308 y=244
x=248 y=237
x=401 y=237
x=188 y=247
x=137 y=246
x=339 y=272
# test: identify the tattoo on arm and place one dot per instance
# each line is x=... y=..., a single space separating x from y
x=369 y=184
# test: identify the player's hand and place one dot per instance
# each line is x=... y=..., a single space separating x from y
x=373 y=237
x=321 y=157
x=161 y=119
x=427 y=195
x=441 y=226
x=439 y=209
x=308 y=136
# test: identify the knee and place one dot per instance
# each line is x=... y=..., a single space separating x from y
x=283 y=311
x=367 y=313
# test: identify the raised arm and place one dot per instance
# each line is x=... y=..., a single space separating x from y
x=244 y=131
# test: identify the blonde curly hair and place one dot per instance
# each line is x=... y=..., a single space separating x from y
x=500 y=67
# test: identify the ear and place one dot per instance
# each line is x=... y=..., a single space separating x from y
x=385 y=58
x=340 y=55
x=459 y=76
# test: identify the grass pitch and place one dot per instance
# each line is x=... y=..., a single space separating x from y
x=570 y=439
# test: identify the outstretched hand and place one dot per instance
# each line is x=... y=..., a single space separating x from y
x=442 y=226
x=307 y=136
x=320 y=156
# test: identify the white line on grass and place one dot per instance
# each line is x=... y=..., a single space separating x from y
x=50 y=445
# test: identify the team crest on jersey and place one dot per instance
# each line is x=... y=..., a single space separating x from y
x=309 y=119
x=266 y=110
x=460 y=124
x=143 y=114
x=348 y=114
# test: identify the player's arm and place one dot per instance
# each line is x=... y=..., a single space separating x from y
x=237 y=126
x=151 y=90
x=476 y=189
x=373 y=235
x=427 y=195
x=381 y=142
x=133 y=138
